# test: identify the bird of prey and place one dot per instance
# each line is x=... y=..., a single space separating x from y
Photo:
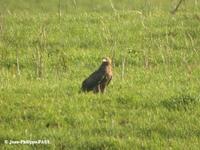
x=99 y=79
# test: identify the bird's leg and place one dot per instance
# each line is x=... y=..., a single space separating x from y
x=96 y=89
x=102 y=87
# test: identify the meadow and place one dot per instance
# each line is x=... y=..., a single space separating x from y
x=48 y=47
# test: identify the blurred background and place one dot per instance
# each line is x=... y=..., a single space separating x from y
x=74 y=6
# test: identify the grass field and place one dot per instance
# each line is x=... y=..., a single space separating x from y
x=47 y=48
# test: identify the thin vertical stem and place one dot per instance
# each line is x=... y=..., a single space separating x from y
x=123 y=68
x=17 y=62
x=75 y=4
x=59 y=10
x=177 y=6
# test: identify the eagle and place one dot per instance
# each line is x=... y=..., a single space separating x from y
x=99 y=79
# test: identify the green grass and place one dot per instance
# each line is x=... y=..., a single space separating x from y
x=153 y=102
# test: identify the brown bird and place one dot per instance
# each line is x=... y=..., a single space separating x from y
x=99 y=79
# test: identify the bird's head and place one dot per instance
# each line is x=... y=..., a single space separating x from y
x=106 y=60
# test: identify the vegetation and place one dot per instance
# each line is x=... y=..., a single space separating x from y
x=48 y=47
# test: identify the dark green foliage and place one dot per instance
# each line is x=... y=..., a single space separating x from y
x=182 y=102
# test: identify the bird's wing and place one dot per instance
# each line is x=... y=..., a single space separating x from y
x=94 y=79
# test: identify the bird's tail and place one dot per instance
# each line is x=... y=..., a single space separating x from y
x=81 y=90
